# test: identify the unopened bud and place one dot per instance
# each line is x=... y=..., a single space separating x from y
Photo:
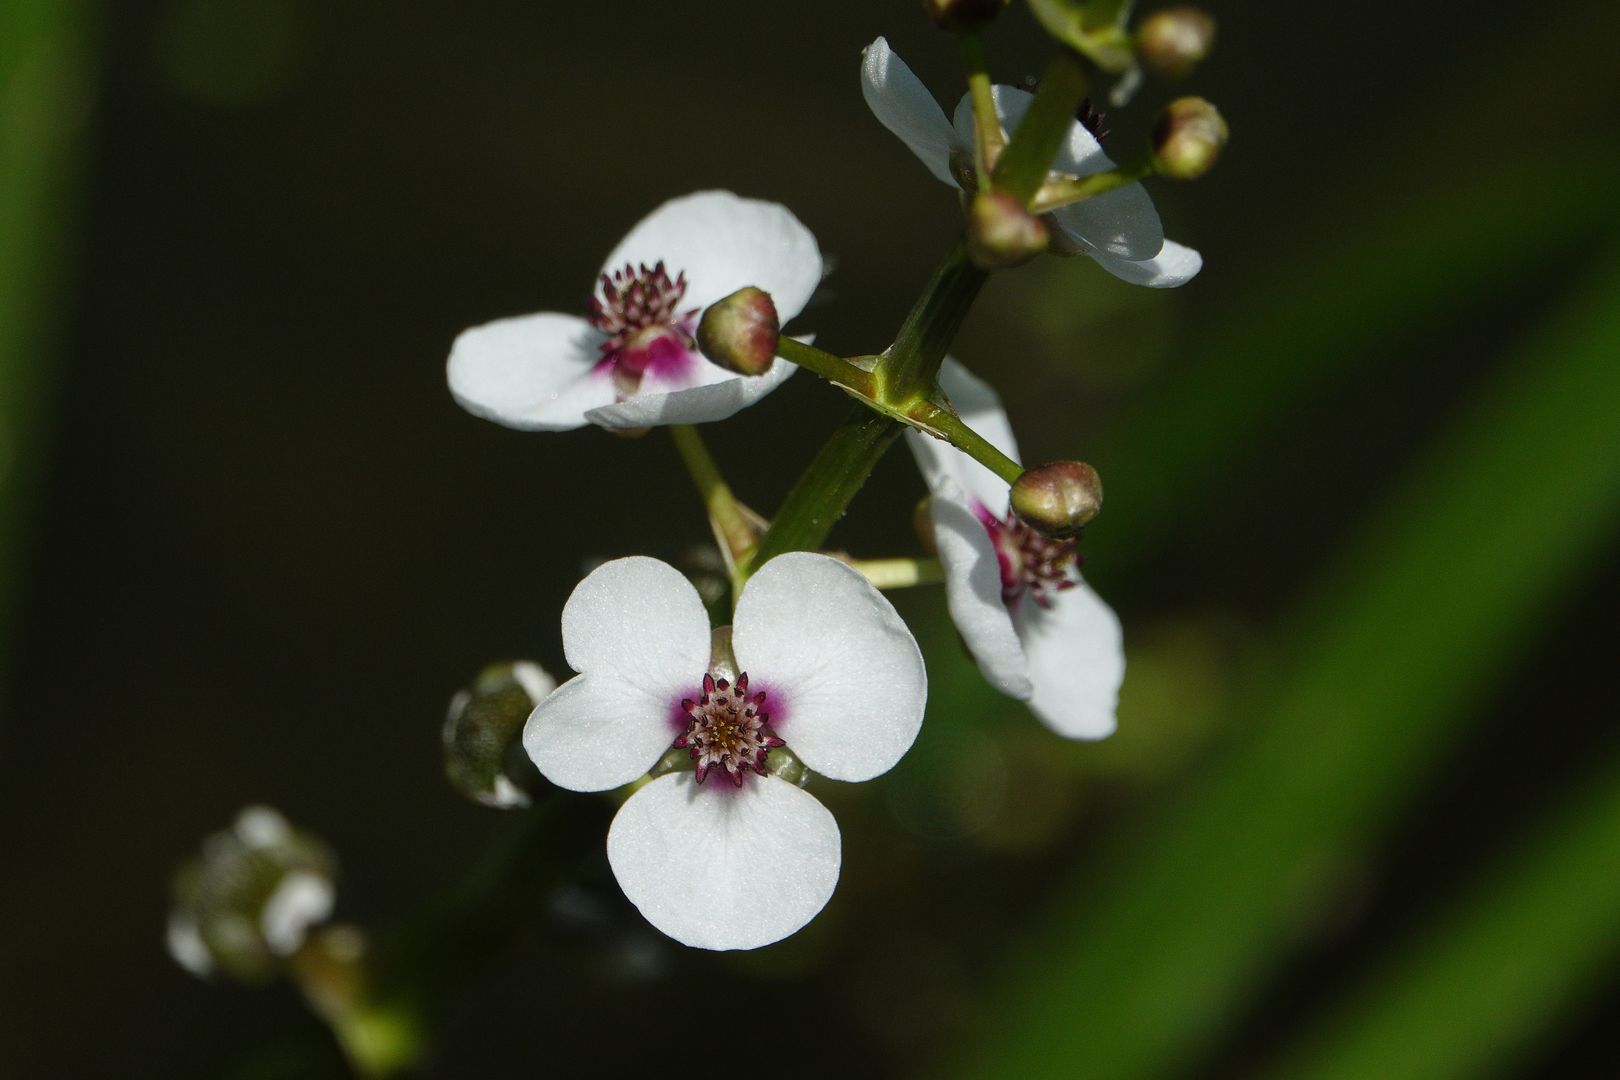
x=1188 y=138
x=1172 y=42
x=1002 y=232
x=739 y=333
x=1058 y=499
x=962 y=14
x=244 y=905
x=483 y=729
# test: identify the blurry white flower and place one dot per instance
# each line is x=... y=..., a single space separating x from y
x=1034 y=626
x=1119 y=228
x=248 y=900
x=631 y=361
x=727 y=855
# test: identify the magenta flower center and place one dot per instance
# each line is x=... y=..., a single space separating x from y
x=727 y=729
x=647 y=333
x=1030 y=562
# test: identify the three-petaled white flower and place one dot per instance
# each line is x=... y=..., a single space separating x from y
x=631 y=361
x=1037 y=630
x=1119 y=228
x=727 y=855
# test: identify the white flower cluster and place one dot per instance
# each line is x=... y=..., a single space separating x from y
x=818 y=670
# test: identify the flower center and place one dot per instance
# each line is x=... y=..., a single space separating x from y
x=727 y=729
x=647 y=333
x=1030 y=562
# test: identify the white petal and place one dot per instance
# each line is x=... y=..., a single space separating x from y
x=722 y=242
x=719 y=395
x=186 y=946
x=844 y=678
x=973 y=592
x=903 y=105
x=300 y=900
x=715 y=867
x=1122 y=222
x=1174 y=265
x=980 y=408
x=597 y=732
x=533 y=372
x=1076 y=661
x=638 y=620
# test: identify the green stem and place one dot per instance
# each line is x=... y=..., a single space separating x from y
x=900 y=573
x=1028 y=157
x=908 y=368
x=946 y=425
x=835 y=369
x=824 y=492
x=732 y=529
x=1054 y=194
x=988 y=136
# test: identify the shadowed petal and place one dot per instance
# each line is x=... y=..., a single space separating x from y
x=1076 y=661
x=973 y=592
x=845 y=676
x=903 y=105
x=722 y=242
x=719 y=395
x=1174 y=265
x=717 y=867
x=532 y=372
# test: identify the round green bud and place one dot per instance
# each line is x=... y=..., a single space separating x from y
x=1172 y=42
x=739 y=333
x=1188 y=139
x=1058 y=499
x=962 y=14
x=1002 y=232
x=482 y=730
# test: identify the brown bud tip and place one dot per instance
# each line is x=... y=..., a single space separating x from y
x=1172 y=42
x=1058 y=499
x=1188 y=138
x=962 y=14
x=1002 y=232
x=739 y=333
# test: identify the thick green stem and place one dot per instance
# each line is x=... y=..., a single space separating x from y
x=989 y=139
x=909 y=367
x=823 y=493
x=1029 y=155
x=835 y=369
x=732 y=529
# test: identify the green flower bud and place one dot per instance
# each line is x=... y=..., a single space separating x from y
x=739 y=333
x=484 y=727
x=1172 y=42
x=1002 y=232
x=1188 y=138
x=245 y=904
x=1058 y=499
x=962 y=14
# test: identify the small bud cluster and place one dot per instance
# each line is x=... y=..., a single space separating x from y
x=1174 y=41
x=244 y=905
x=1188 y=138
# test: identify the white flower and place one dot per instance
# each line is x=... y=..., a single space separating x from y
x=1035 y=628
x=729 y=855
x=1120 y=228
x=631 y=361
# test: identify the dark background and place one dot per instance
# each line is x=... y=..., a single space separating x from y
x=268 y=546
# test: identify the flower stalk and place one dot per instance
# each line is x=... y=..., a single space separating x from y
x=899 y=573
x=989 y=137
x=1029 y=155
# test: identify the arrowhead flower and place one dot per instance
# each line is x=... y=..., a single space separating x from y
x=630 y=359
x=1119 y=229
x=727 y=854
x=1034 y=626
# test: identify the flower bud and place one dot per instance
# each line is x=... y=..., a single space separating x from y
x=962 y=14
x=244 y=905
x=1002 y=232
x=1188 y=138
x=739 y=333
x=483 y=728
x=1172 y=42
x=1058 y=499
